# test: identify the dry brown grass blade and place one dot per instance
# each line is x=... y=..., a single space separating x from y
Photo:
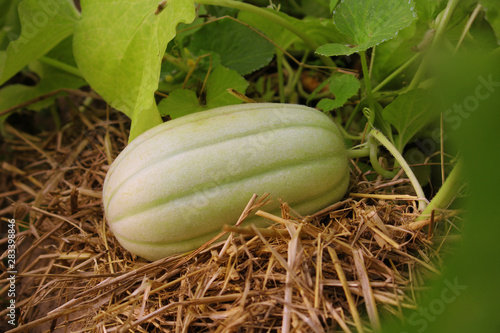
x=371 y=306
x=347 y=291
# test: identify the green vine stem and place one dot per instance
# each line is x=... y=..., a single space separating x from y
x=281 y=80
x=467 y=26
x=422 y=204
x=353 y=153
x=446 y=193
x=269 y=15
x=366 y=77
x=264 y=14
x=374 y=160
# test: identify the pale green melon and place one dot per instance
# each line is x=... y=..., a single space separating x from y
x=175 y=186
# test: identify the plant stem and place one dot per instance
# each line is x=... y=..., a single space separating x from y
x=467 y=26
x=374 y=160
x=358 y=152
x=446 y=193
x=264 y=14
x=399 y=158
x=281 y=80
x=348 y=135
x=61 y=65
x=268 y=15
x=294 y=77
x=177 y=62
x=366 y=77
x=450 y=7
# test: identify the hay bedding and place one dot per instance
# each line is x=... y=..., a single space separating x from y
x=341 y=269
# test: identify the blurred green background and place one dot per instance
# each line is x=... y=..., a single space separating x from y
x=467 y=297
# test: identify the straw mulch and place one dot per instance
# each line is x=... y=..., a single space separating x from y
x=343 y=269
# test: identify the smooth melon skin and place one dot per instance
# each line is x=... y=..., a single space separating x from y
x=175 y=186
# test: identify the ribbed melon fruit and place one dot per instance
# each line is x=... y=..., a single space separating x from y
x=175 y=186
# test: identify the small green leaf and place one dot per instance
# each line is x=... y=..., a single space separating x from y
x=219 y=81
x=179 y=103
x=368 y=23
x=343 y=86
x=409 y=113
x=239 y=47
x=119 y=45
x=182 y=102
x=44 y=25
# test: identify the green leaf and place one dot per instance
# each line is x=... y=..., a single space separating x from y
x=428 y=10
x=239 y=47
x=219 y=81
x=44 y=25
x=368 y=23
x=409 y=113
x=343 y=86
x=179 y=103
x=182 y=101
x=119 y=46
x=394 y=53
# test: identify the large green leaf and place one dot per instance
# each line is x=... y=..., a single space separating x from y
x=44 y=25
x=119 y=45
x=409 y=113
x=368 y=23
x=239 y=47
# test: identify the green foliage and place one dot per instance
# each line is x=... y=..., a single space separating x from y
x=182 y=102
x=368 y=23
x=343 y=86
x=119 y=49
